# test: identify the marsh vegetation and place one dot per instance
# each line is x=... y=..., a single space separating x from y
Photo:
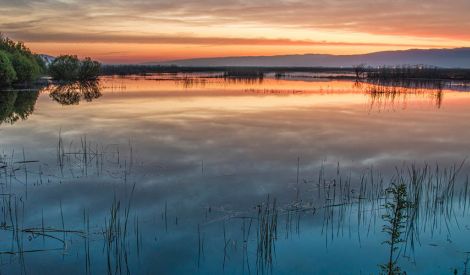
x=426 y=200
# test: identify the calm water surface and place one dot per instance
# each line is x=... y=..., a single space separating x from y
x=191 y=174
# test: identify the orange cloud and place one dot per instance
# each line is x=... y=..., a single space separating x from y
x=134 y=31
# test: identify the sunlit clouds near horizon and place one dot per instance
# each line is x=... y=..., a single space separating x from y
x=119 y=31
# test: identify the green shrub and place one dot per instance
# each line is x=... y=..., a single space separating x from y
x=89 y=69
x=7 y=73
x=25 y=67
x=70 y=68
x=65 y=68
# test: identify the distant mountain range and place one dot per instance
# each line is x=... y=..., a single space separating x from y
x=48 y=59
x=447 y=58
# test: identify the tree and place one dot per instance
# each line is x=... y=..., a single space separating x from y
x=70 y=68
x=65 y=68
x=7 y=73
x=25 y=67
x=89 y=69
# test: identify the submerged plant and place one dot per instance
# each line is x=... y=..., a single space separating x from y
x=395 y=222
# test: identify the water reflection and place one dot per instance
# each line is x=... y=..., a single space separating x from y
x=380 y=95
x=73 y=93
x=390 y=95
x=232 y=177
x=189 y=82
x=245 y=77
x=120 y=226
x=16 y=105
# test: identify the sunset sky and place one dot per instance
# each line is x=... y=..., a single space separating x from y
x=120 y=31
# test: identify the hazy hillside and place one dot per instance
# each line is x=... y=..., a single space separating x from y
x=48 y=59
x=450 y=58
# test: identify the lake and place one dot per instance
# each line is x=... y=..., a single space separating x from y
x=198 y=174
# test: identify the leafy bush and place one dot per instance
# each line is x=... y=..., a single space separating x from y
x=25 y=65
x=7 y=73
x=65 y=68
x=89 y=69
x=70 y=68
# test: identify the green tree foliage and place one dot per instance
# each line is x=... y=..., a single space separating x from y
x=26 y=65
x=65 y=68
x=70 y=68
x=26 y=68
x=7 y=73
x=89 y=69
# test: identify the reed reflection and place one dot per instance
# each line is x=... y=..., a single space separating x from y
x=389 y=95
x=247 y=77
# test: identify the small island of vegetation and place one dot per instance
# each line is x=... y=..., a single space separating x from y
x=20 y=66
x=70 y=68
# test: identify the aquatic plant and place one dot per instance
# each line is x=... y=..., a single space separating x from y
x=267 y=234
x=395 y=222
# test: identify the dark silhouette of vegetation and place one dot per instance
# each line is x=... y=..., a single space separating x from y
x=65 y=67
x=148 y=69
x=89 y=70
x=395 y=219
x=407 y=73
x=18 y=65
x=245 y=76
x=74 y=92
x=16 y=105
x=70 y=68
x=359 y=72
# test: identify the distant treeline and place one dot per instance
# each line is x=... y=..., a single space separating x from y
x=359 y=72
x=226 y=71
x=418 y=72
